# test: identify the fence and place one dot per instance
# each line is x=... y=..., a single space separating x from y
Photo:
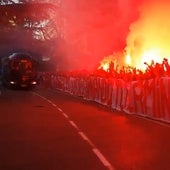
x=149 y=98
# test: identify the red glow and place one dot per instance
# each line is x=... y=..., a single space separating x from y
x=106 y=63
x=149 y=36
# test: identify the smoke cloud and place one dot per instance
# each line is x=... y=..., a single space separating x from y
x=94 y=29
x=149 y=36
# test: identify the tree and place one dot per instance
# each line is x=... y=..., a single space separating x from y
x=26 y=23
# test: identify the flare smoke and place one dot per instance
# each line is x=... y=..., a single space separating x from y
x=149 y=36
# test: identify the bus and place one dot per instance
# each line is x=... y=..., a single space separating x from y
x=19 y=70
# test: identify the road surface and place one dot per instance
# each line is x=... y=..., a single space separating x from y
x=50 y=130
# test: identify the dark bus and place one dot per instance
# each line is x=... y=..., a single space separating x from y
x=18 y=70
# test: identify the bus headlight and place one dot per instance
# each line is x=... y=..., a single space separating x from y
x=12 y=82
x=34 y=83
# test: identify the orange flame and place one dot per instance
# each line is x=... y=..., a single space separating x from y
x=105 y=63
x=149 y=37
x=147 y=57
x=128 y=59
x=114 y=60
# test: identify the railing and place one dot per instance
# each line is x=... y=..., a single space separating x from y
x=149 y=98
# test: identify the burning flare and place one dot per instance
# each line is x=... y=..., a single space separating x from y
x=149 y=37
x=105 y=63
x=109 y=61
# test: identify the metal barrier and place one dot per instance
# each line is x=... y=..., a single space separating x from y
x=149 y=98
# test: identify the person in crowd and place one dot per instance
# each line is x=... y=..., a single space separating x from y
x=166 y=66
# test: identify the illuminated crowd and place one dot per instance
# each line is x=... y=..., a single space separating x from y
x=145 y=93
x=126 y=73
x=129 y=73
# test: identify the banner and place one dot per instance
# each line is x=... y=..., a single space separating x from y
x=149 y=98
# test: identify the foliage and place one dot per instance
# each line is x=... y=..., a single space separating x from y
x=4 y=2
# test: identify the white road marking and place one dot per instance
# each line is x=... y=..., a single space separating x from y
x=86 y=139
x=83 y=136
x=73 y=124
x=65 y=115
x=59 y=109
x=54 y=104
x=49 y=101
x=102 y=159
x=95 y=150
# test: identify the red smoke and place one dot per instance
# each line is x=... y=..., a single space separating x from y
x=149 y=36
x=97 y=28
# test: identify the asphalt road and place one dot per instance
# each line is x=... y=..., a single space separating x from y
x=48 y=130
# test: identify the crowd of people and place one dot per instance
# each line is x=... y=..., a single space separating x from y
x=126 y=73
x=128 y=89
x=129 y=73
